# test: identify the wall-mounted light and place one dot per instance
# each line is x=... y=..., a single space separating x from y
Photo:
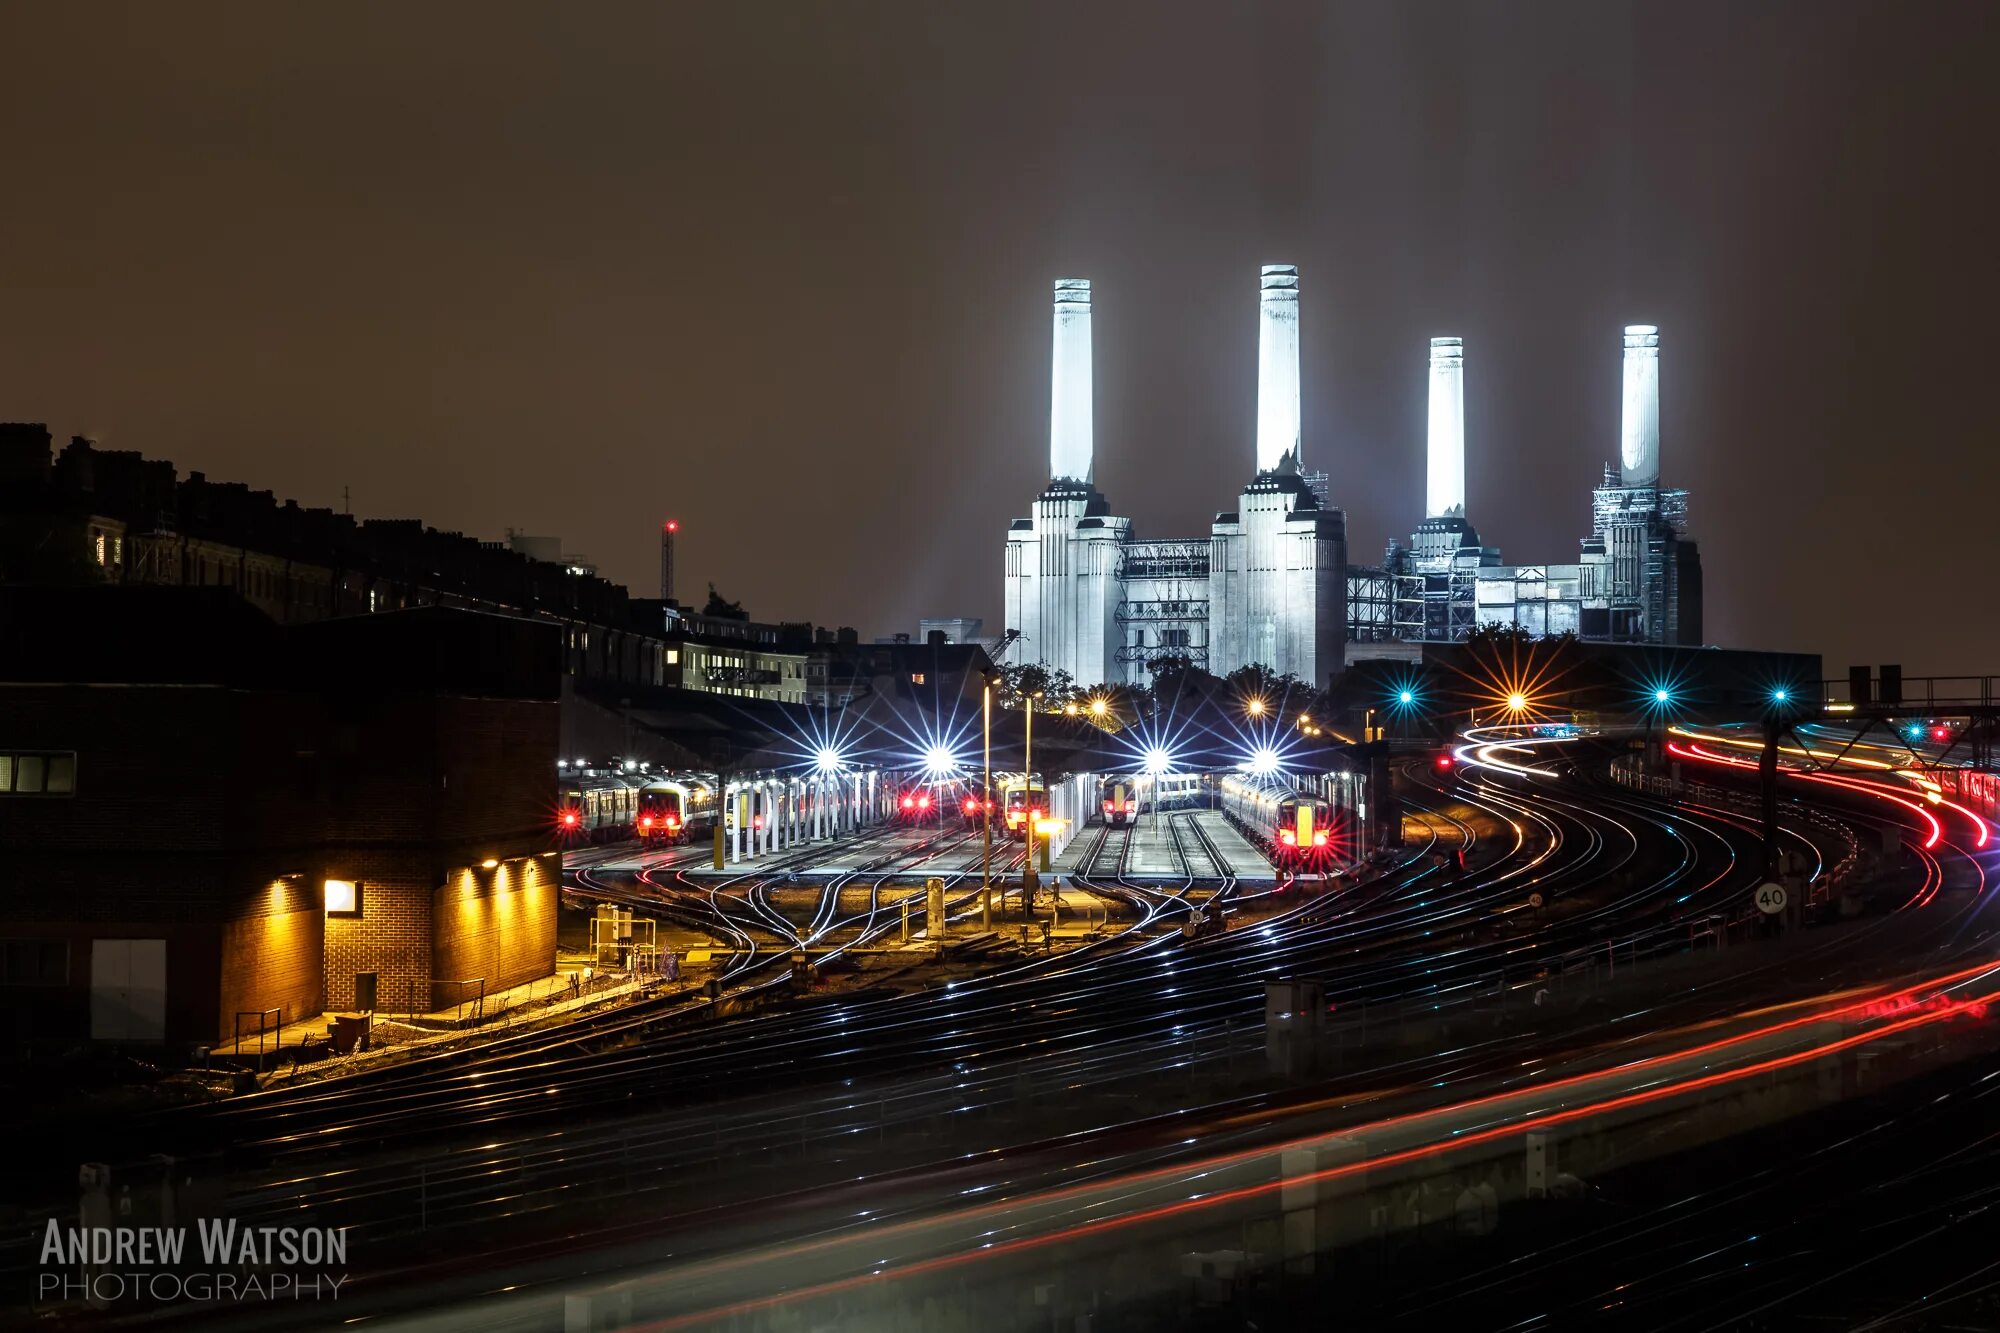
x=489 y=863
x=343 y=897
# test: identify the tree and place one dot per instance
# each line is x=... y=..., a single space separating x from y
x=1256 y=685
x=46 y=548
x=1512 y=671
x=1178 y=684
x=1123 y=704
x=1022 y=680
x=724 y=610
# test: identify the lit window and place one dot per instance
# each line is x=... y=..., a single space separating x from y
x=50 y=773
x=916 y=678
x=673 y=657
x=100 y=549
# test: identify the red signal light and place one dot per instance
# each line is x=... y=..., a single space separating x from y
x=1444 y=761
x=1941 y=733
x=569 y=819
x=909 y=802
x=923 y=803
x=757 y=822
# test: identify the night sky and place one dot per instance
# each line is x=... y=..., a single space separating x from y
x=782 y=270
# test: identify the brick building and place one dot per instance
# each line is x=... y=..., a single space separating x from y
x=205 y=814
x=90 y=515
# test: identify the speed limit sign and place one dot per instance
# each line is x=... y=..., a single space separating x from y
x=1770 y=899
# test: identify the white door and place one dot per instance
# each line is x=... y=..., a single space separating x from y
x=128 y=990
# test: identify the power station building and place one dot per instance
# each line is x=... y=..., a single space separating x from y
x=1271 y=584
x=1268 y=584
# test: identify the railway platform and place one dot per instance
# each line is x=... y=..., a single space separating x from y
x=1170 y=846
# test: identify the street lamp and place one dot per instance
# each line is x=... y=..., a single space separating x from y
x=1157 y=763
x=1028 y=884
x=986 y=808
x=1256 y=708
x=939 y=764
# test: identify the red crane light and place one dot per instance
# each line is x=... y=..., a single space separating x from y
x=673 y=525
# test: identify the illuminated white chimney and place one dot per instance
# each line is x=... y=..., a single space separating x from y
x=1445 y=492
x=1069 y=392
x=1639 y=436
x=1278 y=367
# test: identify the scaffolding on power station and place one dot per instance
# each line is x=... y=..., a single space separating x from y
x=1170 y=616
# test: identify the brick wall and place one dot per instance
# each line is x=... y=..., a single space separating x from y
x=271 y=954
x=210 y=816
x=499 y=924
x=392 y=936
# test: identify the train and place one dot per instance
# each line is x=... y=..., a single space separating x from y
x=599 y=808
x=1025 y=802
x=673 y=811
x=916 y=804
x=1118 y=799
x=608 y=807
x=1297 y=826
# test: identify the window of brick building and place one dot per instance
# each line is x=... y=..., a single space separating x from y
x=29 y=773
x=34 y=962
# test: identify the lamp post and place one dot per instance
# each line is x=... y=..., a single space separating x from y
x=986 y=808
x=1028 y=884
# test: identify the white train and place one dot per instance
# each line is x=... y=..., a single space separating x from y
x=1296 y=826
